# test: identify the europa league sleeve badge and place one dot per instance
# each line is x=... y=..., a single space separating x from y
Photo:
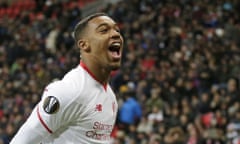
x=51 y=105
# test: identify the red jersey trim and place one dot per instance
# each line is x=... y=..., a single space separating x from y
x=92 y=75
x=42 y=122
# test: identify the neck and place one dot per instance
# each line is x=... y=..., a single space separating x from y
x=96 y=71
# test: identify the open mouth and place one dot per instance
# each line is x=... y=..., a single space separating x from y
x=114 y=49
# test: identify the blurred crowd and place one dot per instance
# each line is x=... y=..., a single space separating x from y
x=179 y=81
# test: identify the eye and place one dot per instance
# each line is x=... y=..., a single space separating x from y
x=104 y=30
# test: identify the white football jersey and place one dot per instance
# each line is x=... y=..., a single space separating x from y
x=76 y=110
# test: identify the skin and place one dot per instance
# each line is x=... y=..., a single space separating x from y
x=100 y=33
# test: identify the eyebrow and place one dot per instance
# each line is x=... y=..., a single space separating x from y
x=106 y=24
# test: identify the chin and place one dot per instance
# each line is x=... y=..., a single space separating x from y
x=114 y=67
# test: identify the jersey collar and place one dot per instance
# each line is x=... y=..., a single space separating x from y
x=92 y=75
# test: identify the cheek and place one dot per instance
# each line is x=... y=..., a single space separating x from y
x=99 y=47
x=98 y=50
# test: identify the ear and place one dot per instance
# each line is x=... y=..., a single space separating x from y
x=83 y=44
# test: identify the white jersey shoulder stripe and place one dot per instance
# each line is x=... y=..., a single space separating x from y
x=42 y=122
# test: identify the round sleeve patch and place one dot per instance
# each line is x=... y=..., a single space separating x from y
x=51 y=105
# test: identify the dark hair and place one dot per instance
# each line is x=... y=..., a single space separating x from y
x=81 y=25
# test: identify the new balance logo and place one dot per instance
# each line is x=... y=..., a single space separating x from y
x=98 y=107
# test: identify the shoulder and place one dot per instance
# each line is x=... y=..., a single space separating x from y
x=68 y=89
x=60 y=91
x=58 y=97
x=57 y=87
x=74 y=78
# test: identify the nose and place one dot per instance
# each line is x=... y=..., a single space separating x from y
x=115 y=34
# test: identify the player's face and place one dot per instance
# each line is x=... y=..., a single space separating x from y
x=106 y=42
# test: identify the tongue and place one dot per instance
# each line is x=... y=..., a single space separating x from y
x=115 y=54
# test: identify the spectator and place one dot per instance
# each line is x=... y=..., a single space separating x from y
x=130 y=112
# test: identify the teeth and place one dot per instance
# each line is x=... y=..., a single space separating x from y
x=116 y=44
